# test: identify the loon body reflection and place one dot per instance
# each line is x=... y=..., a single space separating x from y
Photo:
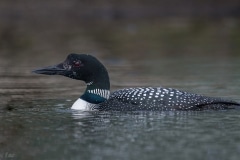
x=97 y=94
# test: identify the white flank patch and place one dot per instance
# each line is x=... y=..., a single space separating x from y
x=80 y=104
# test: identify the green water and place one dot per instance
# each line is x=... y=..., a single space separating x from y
x=50 y=131
x=37 y=122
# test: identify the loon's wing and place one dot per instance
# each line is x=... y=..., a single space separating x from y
x=161 y=99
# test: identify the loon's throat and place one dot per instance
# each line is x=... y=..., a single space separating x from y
x=96 y=96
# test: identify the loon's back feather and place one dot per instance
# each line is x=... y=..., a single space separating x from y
x=161 y=99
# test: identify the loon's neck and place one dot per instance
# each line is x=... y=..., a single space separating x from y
x=95 y=94
x=98 y=87
x=91 y=97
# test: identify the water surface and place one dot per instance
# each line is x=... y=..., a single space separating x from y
x=36 y=122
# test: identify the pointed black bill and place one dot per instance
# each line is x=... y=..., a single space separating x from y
x=51 y=70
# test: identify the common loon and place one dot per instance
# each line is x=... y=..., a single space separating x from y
x=97 y=94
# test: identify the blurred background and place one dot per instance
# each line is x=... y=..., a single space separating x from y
x=123 y=29
x=120 y=33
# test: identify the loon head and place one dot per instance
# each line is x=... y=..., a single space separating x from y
x=81 y=67
x=86 y=68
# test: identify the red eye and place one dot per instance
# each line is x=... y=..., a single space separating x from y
x=76 y=63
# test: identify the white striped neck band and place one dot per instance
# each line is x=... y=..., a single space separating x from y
x=100 y=92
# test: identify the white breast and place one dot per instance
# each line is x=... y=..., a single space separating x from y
x=83 y=105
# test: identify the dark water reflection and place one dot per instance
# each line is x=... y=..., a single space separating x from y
x=36 y=122
x=193 y=47
x=52 y=131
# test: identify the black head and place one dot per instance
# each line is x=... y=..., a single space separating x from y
x=81 y=67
